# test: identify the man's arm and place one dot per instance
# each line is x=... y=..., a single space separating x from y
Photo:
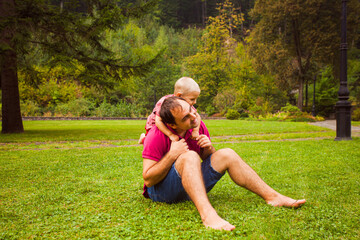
x=154 y=172
x=206 y=146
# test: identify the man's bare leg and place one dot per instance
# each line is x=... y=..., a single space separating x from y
x=188 y=166
x=244 y=176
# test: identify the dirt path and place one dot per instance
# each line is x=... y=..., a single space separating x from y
x=331 y=124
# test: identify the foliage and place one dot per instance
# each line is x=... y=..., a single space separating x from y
x=61 y=34
x=254 y=76
x=288 y=113
x=291 y=109
x=225 y=72
x=30 y=109
x=354 y=79
x=55 y=85
x=326 y=92
x=355 y=115
x=260 y=109
x=210 y=66
x=293 y=39
x=224 y=100
x=79 y=108
x=232 y=114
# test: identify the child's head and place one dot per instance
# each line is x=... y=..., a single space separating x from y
x=188 y=89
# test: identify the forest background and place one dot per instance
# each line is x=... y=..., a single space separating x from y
x=256 y=59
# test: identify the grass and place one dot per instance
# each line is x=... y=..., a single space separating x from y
x=84 y=184
x=48 y=131
x=355 y=123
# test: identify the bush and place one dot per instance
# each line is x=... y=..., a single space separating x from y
x=232 y=114
x=224 y=100
x=106 y=110
x=288 y=113
x=30 y=109
x=210 y=110
x=291 y=109
x=121 y=109
x=256 y=111
x=355 y=116
x=244 y=114
x=79 y=107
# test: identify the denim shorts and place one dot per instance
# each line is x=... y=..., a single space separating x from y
x=171 y=190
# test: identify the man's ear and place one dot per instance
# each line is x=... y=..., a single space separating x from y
x=178 y=94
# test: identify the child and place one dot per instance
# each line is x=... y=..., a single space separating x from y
x=186 y=88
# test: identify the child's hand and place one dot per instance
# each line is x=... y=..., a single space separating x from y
x=174 y=137
x=195 y=134
x=204 y=141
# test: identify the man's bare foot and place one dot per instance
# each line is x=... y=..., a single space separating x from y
x=215 y=222
x=283 y=201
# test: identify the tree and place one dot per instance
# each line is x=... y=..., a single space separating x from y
x=212 y=65
x=64 y=31
x=292 y=38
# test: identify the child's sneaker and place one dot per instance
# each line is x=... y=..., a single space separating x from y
x=142 y=138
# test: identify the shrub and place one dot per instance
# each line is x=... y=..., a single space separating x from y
x=121 y=109
x=256 y=111
x=355 y=116
x=244 y=114
x=29 y=109
x=106 y=110
x=291 y=109
x=232 y=114
x=210 y=110
x=224 y=99
x=79 y=107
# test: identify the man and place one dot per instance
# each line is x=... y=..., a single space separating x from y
x=187 y=169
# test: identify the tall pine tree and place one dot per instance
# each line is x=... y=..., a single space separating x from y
x=65 y=30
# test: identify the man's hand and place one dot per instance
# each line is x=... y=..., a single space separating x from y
x=178 y=148
x=204 y=141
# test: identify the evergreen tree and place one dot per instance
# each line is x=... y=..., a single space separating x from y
x=64 y=30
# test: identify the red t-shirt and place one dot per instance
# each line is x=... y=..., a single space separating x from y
x=157 y=144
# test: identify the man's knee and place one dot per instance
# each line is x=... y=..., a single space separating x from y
x=227 y=153
x=189 y=157
x=222 y=159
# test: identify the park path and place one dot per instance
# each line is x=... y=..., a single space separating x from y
x=331 y=124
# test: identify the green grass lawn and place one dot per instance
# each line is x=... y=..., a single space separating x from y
x=82 y=180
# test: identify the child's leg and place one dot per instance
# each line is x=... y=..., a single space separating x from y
x=142 y=138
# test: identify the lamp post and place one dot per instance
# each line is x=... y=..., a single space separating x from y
x=313 y=106
x=343 y=106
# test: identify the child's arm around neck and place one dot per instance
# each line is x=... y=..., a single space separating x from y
x=162 y=127
x=195 y=132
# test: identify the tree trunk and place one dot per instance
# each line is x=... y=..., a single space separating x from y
x=299 y=54
x=306 y=93
x=11 y=115
x=301 y=93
